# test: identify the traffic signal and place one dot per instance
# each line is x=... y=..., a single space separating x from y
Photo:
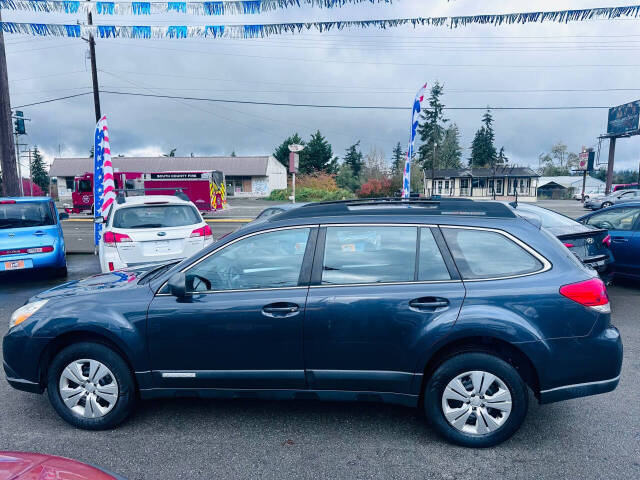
x=19 y=123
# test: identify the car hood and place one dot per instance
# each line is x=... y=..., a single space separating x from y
x=118 y=280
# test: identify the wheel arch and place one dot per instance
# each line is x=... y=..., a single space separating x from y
x=503 y=349
x=77 y=336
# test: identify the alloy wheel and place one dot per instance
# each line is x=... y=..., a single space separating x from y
x=88 y=388
x=476 y=402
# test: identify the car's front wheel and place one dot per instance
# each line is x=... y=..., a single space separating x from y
x=606 y=204
x=91 y=386
x=476 y=400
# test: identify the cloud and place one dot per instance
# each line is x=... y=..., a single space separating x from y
x=359 y=67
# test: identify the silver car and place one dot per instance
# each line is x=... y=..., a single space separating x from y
x=611 y=199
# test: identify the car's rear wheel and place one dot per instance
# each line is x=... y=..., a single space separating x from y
x=476 y=400
x=91 y=386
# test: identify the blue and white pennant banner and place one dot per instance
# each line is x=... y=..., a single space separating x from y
x=269 y=29
x=225 y=7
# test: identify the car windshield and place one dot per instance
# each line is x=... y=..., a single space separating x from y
x=156 y=216
x=25 y=214
x=547 y=217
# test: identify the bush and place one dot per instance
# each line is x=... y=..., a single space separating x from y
x=306 y=194
x=376 y=188
x=317 y=181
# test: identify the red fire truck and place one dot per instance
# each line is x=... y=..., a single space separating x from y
x=205 y=189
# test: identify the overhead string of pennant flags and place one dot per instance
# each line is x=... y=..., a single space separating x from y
x=259 y=30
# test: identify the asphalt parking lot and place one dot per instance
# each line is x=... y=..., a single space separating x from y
x=590 y=438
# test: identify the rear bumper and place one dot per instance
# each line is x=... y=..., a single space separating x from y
x=578 y=367
x=53 y=259
x=578 y=390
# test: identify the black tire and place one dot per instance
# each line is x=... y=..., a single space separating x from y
x=60 y=272
x=606 y=204
x=465 y=362
x=126 y=399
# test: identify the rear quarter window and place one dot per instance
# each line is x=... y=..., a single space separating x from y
x=484 y=254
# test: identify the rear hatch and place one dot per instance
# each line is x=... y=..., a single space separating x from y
x=586 y=242
x=158 y=244
x=158 y=231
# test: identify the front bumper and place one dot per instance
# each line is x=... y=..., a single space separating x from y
x=20 y=383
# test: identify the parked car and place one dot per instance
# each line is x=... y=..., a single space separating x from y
x=629 y=196
x=626 y=186
x=587 y=242
x=588 y=193
x=623 y=222
x=151 y=229
x=458 y=308
x=276 y=209
x=31 y=235
x=608 y=200
x=34 y=466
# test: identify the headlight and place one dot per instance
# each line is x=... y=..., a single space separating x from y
x=24 y=312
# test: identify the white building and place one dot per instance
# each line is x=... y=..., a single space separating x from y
x=245 y=176
x=567 y=185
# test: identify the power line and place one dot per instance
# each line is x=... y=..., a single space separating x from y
x=348 y=107
x=52 y=100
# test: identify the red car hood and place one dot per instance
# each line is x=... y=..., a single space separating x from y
x=36 y=466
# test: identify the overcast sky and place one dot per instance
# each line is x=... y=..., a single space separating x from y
x=478 y=65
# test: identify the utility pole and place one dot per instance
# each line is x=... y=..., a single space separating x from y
x=10 y=181
x=612 y=154
x=94 y=68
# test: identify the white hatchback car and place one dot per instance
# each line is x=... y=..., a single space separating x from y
x=151 y=229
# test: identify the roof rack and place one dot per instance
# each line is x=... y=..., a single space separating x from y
x=401 y=206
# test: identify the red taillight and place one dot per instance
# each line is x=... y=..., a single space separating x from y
x=111 y=238
x=568 y=245
x=607 y=241
x=590 y=293
x=3 y=202
x=202 y=232
x=111 y=266
x=17 y=251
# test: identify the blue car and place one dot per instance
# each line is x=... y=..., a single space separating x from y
x=31 y=235
x=623 y=222
x=459 y=308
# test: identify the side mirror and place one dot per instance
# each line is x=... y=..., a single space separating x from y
x=178 y=286
x=98 y=220
x=63 y=215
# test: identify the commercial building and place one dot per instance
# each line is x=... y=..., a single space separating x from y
x=501 y=183
x=567 y=185
x=245 y=176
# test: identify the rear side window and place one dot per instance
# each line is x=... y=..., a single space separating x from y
x=481 y=254
x=431 y=266
x=157 y=216
x=369 y=254
x=26 y=214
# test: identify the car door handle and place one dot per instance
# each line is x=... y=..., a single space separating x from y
x=38 y=233
x=428 y=303
x=280 y=309
x=619 y=239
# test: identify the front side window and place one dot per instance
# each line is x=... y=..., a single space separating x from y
x=156 y=216
x=485 y=254
x=84 y=186
x=369 y=254
x=267 y=260
x=615 y=219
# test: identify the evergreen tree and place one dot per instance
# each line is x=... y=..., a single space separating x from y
x=172 y=153
x=502 y=159
x=233 y=154
x=91 y=152
x=317 y=156
x=483 y=150
x=39 y=173
x=398 y=158
x=346 y=179
x=432 y=129
x=282 y=151
x=448 y=155
x=353 y=159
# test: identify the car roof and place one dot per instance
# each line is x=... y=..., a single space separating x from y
x=26 y=199
x=287 y=206
x=399 y=207
x=151 y=199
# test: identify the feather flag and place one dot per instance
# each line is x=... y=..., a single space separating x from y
x=415 y=117
x=104 y=189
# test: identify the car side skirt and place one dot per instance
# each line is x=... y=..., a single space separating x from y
x=322 y=395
